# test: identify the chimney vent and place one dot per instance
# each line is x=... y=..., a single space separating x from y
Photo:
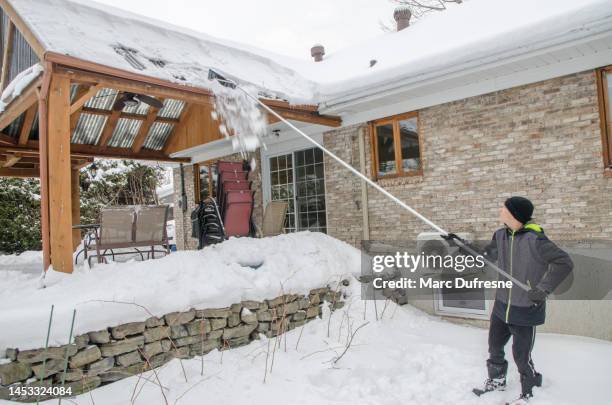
x=402 y=15
x=317 y=52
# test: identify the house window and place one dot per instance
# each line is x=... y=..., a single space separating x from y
x=282 y=186
x=462 y=302
x=396 y=146
x=206 y=181
x=299 y=179
x=604 y=87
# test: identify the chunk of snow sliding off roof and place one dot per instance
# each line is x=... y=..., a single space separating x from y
x=239 y=116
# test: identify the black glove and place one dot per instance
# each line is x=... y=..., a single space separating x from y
x=450 y=239
x=536 y=295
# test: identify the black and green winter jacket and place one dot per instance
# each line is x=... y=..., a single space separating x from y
x=532 y=258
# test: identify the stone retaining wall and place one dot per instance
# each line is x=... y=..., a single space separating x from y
x=101 y=357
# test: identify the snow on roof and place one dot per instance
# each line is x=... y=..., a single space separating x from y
x=104 y=34
x=476 y=31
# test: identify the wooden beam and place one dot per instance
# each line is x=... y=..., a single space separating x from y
x=20 y=173
x=23 y=150
x=123 y=153
x=26 y=127
x=6 y=56
x=79 y=152
x=7 y=140
x=131 y=116
x=109 y=127
x=302 y=116
x=83 y=98
x=75 y=193
x=145 y=126
x=11 y=160
x=60 y=199
x=43 y=115
x=23 y=28
x=182 y=122
x=284 y=104
x=134 y=83
x=78 y=164
x=16 y=107
x=74 y=117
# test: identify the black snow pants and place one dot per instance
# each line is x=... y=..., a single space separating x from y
x=522 y=345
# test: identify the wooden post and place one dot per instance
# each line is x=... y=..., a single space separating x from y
x=75 y=190
x=44 y=167
x=60 y=198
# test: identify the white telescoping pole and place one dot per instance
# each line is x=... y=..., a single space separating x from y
x=376 y=186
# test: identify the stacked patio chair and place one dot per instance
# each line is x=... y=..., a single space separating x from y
x=236 y=199
x=206 y=223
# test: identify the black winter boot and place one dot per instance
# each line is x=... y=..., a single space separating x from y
x=496 y=380
x=528 y=382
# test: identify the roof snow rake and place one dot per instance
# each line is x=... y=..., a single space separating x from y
x=212 y=75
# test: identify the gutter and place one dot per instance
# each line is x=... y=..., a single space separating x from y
x=374 y=91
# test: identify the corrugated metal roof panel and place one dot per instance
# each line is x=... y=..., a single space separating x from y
x=172 y=108
x=140 y=108
x=158 y=133
x=88 y=129
x=34 y=131
x=124 y=133
x=73 y=91
x=14 y=127
x=104 y=99
x=23 y=56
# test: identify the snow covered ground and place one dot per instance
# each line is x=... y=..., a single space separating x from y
x=217 y=276
x=401 y=356
x=406 y=357
x=26 y=262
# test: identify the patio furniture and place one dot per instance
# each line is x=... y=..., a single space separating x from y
x=206 y=223
x=238 y=210
x=131 y=227
x=235 y=198
x=274 y=219
x=88 y=239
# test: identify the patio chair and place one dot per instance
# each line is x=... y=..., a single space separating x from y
x=131 y=227
x=274 y=219
x=238 y=210
x=150 y=228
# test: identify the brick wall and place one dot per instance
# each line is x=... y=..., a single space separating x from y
x=540 y=140
x=184 y=241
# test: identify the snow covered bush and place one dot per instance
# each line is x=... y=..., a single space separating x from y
x=19 y=215
x=113 y=182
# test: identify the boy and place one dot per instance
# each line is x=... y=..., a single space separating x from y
x=521 y=249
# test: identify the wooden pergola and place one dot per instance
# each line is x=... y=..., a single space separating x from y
x=64 y=118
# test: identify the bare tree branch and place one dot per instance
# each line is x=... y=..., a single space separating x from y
x=418 y=8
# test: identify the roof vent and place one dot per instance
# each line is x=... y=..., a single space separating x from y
x=317 y=51
x=402 y=15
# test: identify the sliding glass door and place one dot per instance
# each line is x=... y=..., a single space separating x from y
x=299 y=179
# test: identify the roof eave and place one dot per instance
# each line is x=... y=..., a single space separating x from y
x=377 y=90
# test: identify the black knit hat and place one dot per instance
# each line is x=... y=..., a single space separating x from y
x=520 y=208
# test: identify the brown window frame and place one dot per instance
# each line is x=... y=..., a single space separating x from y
x=395 y=119
x=605 y=118
x=196 y=179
